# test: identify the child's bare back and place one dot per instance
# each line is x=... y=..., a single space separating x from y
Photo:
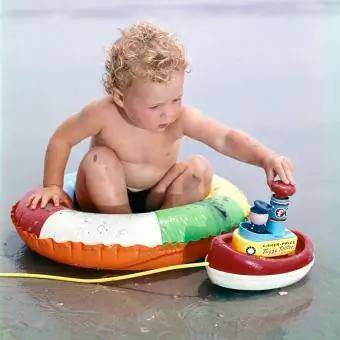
x=135 y=135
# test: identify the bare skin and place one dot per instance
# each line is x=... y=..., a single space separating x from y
x=136 y=136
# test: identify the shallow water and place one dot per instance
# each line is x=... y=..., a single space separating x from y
x=271 y=68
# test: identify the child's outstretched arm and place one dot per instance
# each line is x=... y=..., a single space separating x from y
x=236 y=144
x=71 y=132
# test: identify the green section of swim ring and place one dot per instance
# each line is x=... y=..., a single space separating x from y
x=225 y=208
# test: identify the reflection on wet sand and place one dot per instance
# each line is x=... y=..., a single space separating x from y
x=163 y=306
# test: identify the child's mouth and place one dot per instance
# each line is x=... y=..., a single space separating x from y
x=163 y=126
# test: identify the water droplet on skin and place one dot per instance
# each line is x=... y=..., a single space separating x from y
x=220 y=315
x=149 y=284
x=216 y=324
x=283 y=293
x=144 y=330
x=175 y=297
x=60 y=303
x=135 y=284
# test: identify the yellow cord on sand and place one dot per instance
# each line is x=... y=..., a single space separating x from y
x=104 y=279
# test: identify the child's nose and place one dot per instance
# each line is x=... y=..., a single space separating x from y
x=166 y=112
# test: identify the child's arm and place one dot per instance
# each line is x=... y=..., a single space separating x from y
x=236 y=144
x=72 y=131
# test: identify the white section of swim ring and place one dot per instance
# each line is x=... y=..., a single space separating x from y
x=90 y=228
x=257 y=282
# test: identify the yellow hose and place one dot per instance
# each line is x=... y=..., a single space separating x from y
x=104 y=279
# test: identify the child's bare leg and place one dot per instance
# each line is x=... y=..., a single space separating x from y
x=100 y=185
x=186 y=182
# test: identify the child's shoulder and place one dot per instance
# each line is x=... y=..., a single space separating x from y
x=190 y=113
x=100 y=104
x=99 y=108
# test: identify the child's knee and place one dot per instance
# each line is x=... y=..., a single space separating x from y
x=101 y=157
x=199 y=170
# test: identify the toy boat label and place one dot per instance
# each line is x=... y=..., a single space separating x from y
x=278 y=248
x=264 y=248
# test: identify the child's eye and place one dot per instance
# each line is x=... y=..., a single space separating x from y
x=154 y=107
x=177 y=100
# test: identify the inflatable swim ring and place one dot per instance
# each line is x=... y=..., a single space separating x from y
x=130 y=242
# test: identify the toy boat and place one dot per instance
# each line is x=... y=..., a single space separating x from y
x=262 y=253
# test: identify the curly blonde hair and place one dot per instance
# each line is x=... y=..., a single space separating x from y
x=144 y=51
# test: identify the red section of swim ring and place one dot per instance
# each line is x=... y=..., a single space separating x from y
x=223 y=257
x=33 y=220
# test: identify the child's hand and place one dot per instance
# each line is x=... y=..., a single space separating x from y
x=44 y=195
x=280 y=166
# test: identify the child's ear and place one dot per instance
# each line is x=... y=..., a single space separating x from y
x=118 y=97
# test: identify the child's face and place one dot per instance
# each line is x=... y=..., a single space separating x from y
x=154 y=106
